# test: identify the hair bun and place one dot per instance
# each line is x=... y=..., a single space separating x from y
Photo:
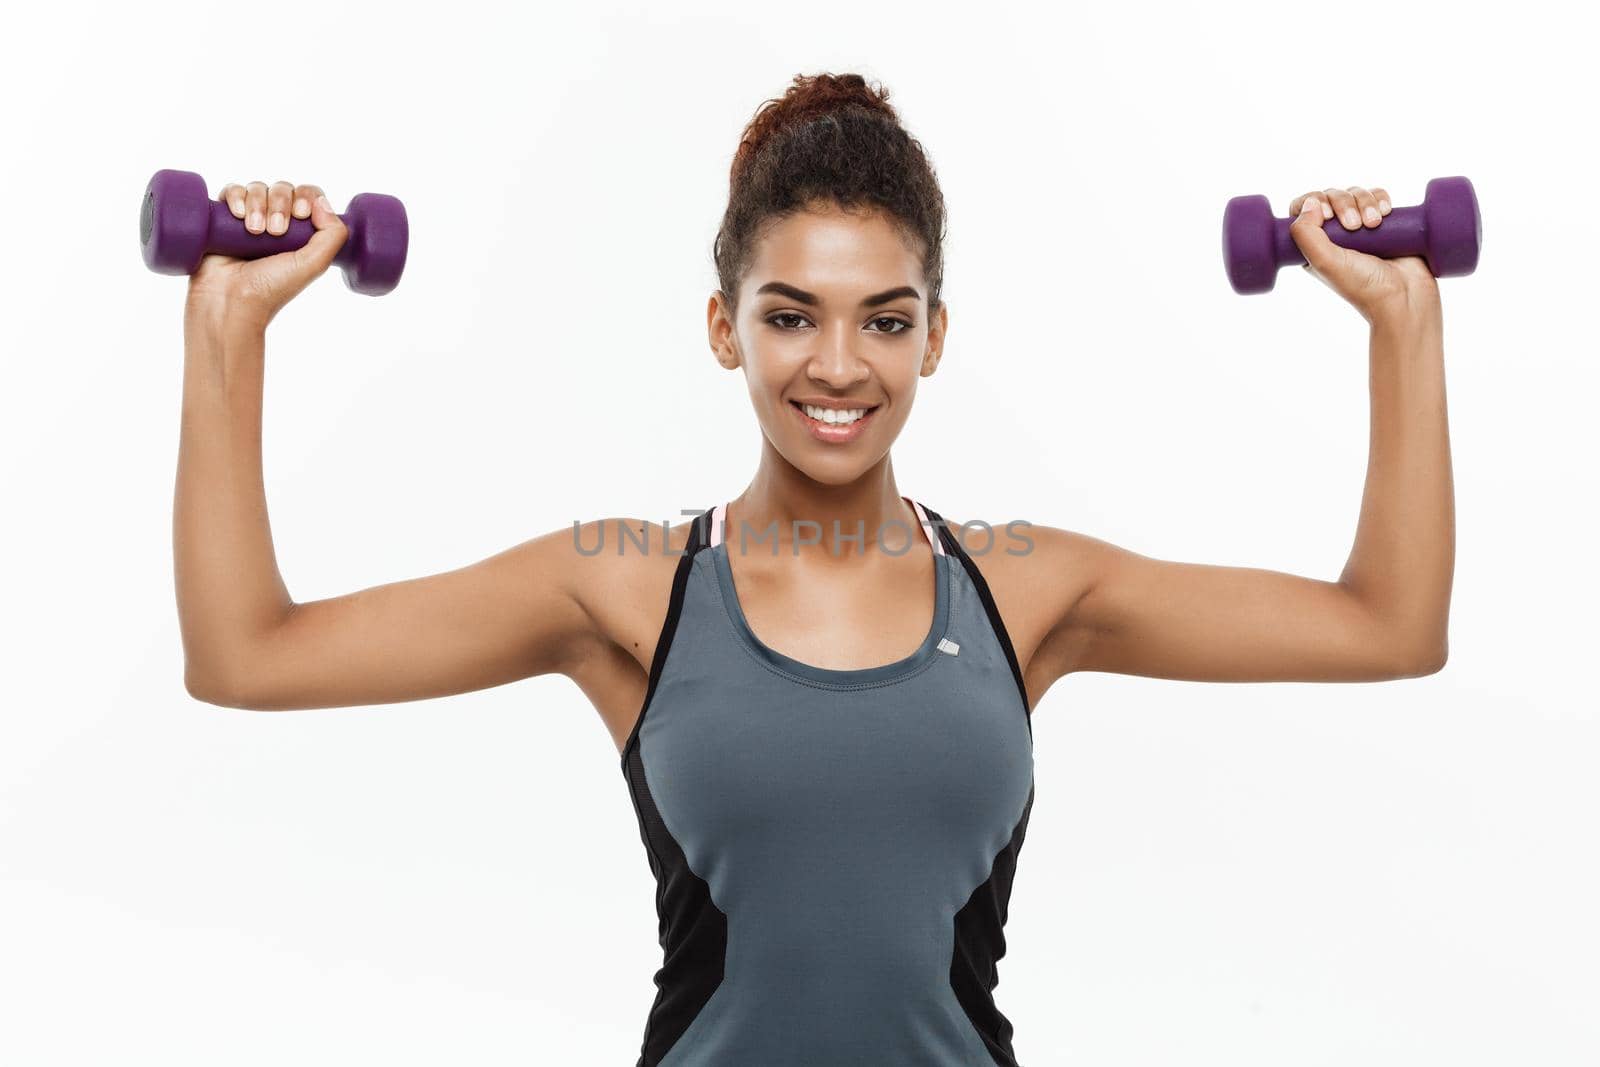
x=809 y=96
x=829 y=139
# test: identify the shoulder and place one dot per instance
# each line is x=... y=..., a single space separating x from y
x=617 y=555
x=1020 y=545
x=620 y=569
x=1037 y=575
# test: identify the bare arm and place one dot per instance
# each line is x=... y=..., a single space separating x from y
x=1387 y=614
x=246 y=642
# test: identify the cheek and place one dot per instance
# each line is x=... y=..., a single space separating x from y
x=767 y=378
x=771 y=366
x=901 y=379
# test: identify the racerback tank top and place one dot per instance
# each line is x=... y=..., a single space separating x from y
x=833 y=850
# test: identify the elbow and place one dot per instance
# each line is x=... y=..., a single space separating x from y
x=1409 y=649
x=232 y=673
x=1433 y=664
x=219 y=688
x=1418 y=662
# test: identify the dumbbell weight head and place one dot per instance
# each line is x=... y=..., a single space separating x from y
x=179 y=224
x=1249 y=250
x=1445 y=230
x=1453 y=225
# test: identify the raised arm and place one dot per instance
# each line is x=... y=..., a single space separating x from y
x=1386 y=615
x=246 y=643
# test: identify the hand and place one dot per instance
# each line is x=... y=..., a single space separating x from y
x=254 y=290
x=1376 y=287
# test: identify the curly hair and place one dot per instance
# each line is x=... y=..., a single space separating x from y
x=829 y=137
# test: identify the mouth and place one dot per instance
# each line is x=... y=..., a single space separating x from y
x=834 y=426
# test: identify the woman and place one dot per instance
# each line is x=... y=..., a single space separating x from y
x=832 y=790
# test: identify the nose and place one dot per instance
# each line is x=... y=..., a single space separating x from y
x=835 y=361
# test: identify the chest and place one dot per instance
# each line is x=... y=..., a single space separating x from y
x=840 y=617
x=747 y=745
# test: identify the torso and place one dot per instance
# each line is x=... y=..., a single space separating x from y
x=880 y=610
x=832 y=801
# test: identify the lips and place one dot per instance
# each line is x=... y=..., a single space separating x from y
x=803 y=404
x=835 y=433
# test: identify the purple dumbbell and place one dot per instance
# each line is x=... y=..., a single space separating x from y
x=1444 y=229
x=180 y=223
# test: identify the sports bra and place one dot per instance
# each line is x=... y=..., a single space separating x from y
x=833 y=850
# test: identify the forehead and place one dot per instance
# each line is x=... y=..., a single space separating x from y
x=825 y=248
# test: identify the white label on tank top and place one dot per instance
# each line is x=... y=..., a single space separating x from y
x=947 y=645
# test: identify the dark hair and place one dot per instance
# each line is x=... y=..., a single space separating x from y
x=829 y=137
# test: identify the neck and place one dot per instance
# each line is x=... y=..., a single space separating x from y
x=786 y=504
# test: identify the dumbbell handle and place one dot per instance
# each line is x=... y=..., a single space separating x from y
x=1403 y=232
x=230 y=237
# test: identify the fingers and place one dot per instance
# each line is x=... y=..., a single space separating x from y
x=255 y=207
x=1296 y=203
x=268 y=209
x=304 y=196
x=1344 y=208
x=1355 y=205
x=278 y=198
x=1366 y=204
x=233 y=195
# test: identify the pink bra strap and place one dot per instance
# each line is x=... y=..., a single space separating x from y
x=719 y=515
x=928 y=528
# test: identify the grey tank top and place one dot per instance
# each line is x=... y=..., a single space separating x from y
x=833 y=850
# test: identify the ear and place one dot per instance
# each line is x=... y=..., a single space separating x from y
x=938 y=323
x=720 y=332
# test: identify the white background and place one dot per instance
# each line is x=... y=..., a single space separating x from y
x=1395 y=873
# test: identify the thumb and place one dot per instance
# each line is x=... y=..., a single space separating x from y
x=316 y=254
x=1313 y=241
x=280 y=278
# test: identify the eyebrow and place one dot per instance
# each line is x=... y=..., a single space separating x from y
x=802 y=297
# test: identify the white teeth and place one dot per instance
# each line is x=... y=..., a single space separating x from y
x=833 y=415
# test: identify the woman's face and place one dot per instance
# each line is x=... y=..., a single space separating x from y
x=833 y=312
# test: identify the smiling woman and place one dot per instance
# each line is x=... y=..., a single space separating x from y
x=830 y=754
x=811 y=911
x=831 y=262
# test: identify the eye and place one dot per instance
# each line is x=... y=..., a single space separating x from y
x=780 y=321
x=904 y=326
